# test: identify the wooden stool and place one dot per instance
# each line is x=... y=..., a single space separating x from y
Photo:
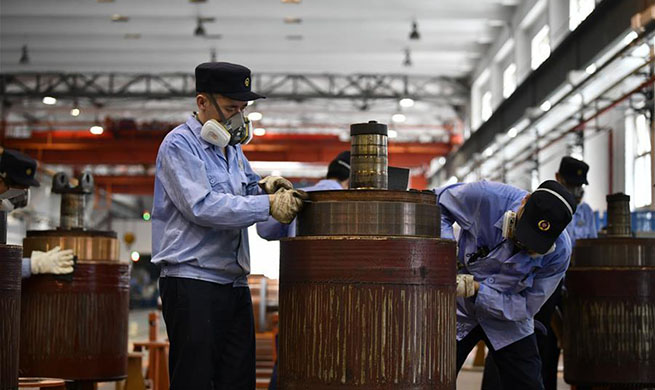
x=135 y=379
x=41 y=383
x=157 y=371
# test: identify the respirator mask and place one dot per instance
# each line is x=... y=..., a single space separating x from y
x=231 y=131
x=509 y=227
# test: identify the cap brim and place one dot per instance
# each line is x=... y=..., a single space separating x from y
x=243 y=96
x=575 y=180
x=31 y=182
x=531 y=238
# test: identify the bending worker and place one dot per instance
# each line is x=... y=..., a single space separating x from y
x=337 y=178
x=512 y=253
x=17 y=175
x=206 y=195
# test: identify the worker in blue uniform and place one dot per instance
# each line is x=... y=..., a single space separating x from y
x=337 y=178
x=572 y=174
x=512 y=253
x=17 y=175
x=206 y=195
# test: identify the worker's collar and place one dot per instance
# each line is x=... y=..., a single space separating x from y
x=194 y=124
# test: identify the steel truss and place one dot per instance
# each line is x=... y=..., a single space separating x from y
x=360 y=87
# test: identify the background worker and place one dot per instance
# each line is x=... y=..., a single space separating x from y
x=17 y=175
x=206 y=195
x=512 y=253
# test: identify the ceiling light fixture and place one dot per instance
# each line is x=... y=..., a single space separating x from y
x=75 y=111
x=406 y=102
x=408 y=58
x=200 y=30
x=414 y=33
x=259 y=131
x=24 y=56
x=255 y=116
x=591 y=69
x=398 y=118
x=512 y=132
x=96 y=130
x=392 y=133
x=119 y=18
x=49 y=100
x=545 y=106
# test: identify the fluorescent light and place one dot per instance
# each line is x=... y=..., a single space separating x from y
x=259 y=131
x=392 y=133
x=49 y=100
x=442 y=160
x=398 y=118
x=75 y=111
x=630 y=37
x=255 y=116
x=512 y=132
x=96 y=130
x=545 y=106
x=406 y=102
x=591 y=69
x=488 y=152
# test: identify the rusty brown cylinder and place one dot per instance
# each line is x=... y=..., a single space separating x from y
x=368 y=156
x=610 y=313
x=10 y=277
x=76 y=328
x=71 y=213
x=363 y=310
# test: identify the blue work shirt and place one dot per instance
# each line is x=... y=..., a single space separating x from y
x=583 y=224
x=274 y=230
x=513 y=285
x=203 y=204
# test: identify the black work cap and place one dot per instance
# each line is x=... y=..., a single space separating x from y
x=339 y=168
x=230 y=80
x=545 y=215
x=18 y=168
x=573 y=171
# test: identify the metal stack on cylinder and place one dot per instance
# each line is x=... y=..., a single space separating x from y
x=610 y=306
x=75 y=326
x=367 y=288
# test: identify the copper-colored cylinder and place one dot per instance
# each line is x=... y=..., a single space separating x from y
x=367 y=313
x=368 y=155
x=609 y=316
x=10 y=273
x=76 y=328
x=618 y=215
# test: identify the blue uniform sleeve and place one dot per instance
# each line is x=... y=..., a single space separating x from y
x=26 y=268
x=525 y=304
x=184 y=178
x=272 y=230
x=591 y=223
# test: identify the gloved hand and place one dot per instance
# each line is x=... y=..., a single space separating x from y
x=54 y=261
x=466 y=286
x=270 y=184
x=285 y=204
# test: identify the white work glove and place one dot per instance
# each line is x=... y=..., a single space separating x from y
x=465 y=286
x=285 y=204
x=270 y=184
x=54 y=261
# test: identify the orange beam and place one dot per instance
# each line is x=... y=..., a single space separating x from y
x=53 y=149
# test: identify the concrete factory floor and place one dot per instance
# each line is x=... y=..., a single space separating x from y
x=469 y=379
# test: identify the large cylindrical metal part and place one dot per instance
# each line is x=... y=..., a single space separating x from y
x=618 y=215
x=610 y=313
x=71 y=215
x=10 y=276
x=75 y=327
x=368 y=156
x=363 y=310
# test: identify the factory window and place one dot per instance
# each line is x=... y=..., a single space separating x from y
x=540 y=47
x=578 y=11
x=509 y=80
x=485 y=106
x=642 y=156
